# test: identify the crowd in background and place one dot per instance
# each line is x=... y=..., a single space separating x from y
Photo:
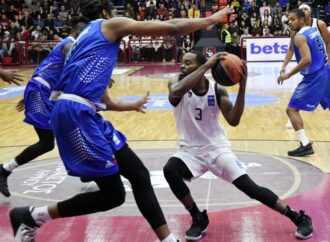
x=41 y=20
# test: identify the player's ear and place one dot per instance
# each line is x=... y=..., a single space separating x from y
x=106 y=14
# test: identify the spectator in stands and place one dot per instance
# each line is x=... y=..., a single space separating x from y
x=13 y=29
x=41 y=12
x=277 y=24
x=266 y=32
x=236 y=44
x=243 y=41
x=39 y=21
x=285 y=18
x=34 y=5
x=27 y=20
x=266 y=16
x=162 y=11
x=11 y=12
x=7 y=47
x=141 y=13
x=5 y=22
x=276 y=9
x=63 y=13
x=254 y=9
x=58 y=21
x=245 y=18
x=129 y=11
x=194 y=12
x=49 y=22
x=255 y=19
x=255 y=30
x=264 y=8
x=187 y=44
x=183 y=12
x=35 y=34
x=25 y=33
x=246 y=4
x=151 y=11
x=225 y=37
x=233 y=27
x=235 y=4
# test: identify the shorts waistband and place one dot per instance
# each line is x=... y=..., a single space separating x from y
x=42 y=81
x=78 y=99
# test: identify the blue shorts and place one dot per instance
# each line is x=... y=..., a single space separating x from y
x=325 y=102
x=38 y=108
x=86 y=141
x=311 y=91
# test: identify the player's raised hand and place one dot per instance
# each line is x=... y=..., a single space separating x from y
x=141 y=103
x=222 y=13
x=11 y=77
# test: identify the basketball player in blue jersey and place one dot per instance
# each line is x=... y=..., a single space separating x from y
x=311 y=57
x=37 y=105
x=204 y=145
x=89 y=146
x=10 y=77
x=322 y=28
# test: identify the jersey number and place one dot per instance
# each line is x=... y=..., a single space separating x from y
x=198 y=114
x=319 y=44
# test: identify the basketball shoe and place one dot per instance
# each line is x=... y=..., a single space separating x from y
x=23 y=224
x=304 y=224
x=3 y=181
x=302 y=150
x=198 y=226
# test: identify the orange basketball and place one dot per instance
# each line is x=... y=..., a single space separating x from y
x=229 y=70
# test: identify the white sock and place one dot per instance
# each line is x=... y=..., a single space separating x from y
x=10 y=165
x=302 y=137
x=40 y=215
x=170 y=238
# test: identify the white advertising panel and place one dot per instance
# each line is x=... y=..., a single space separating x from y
x=266 y=49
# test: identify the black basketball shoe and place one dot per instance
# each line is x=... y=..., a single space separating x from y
x=302 y=150
x=3 y=181
x=23 y=224
x=304 y=224
x=198 y=226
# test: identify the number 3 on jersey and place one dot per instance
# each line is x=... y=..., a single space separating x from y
x=198 y=114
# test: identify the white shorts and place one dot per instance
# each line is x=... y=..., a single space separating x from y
x=221 y=162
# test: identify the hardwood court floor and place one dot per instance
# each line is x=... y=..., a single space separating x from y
x=262 y=130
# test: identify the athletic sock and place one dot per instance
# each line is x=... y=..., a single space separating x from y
x=302 y=137
x=10 y=165
x=170 y=238
x=40 y=215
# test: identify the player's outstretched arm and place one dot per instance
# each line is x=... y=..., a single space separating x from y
x=10 y=77
x=118 y=27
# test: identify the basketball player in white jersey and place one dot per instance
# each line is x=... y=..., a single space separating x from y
x=322 y=28
x=204 y=145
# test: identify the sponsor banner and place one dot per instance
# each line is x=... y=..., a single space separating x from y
x=267 y=49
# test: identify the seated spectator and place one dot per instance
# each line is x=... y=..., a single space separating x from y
x=236 y=44
x=182 y=11
x=233 y=27
x=254 y=9
x=49 y=22
x=39 y=21
x=194 y=12
x=36 y=33
x=266 y=32
x=285 y=18
x=141 y=13
x=235 y=4
x=277 y=24
x=264 y=8
x=25 y=33
x=41 y=12
x=245 y=18
x=129 y=11
x=255 y=19
x=7 y=47
x=163 y=11
x=151 y=11
x=266 y=16
x=276 y=9
x=255 y=30
x=58 y=21
x=63 y=13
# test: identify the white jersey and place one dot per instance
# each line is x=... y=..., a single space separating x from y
x=197 y=120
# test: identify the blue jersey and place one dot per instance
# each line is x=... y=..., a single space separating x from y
x=89 y=64
x=51 y=67
x=316 y=46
